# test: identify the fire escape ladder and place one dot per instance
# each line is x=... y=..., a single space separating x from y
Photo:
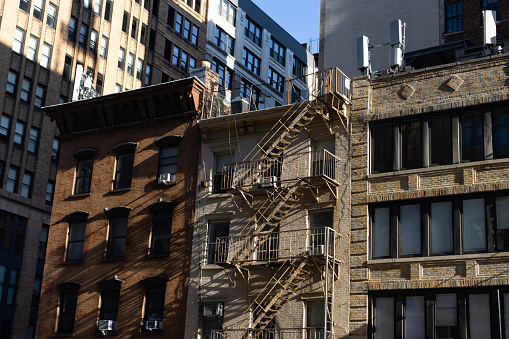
x=288 y=283
x=268 y=219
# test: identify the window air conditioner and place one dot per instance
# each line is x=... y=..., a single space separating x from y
x=317 y=250
x=167 y=178
x=107 y=325
x=268 y=181
x=154 y=325
x=213 y=310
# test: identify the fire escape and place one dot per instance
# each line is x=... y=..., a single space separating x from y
x=271 y=183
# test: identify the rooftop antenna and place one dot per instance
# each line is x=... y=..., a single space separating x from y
x=397 y=53
x=490 y=33
x=363 y=61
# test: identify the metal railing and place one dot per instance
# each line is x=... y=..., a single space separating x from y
x=271 y=333
x=333 y=81
x=271 y=172
x=279 y=245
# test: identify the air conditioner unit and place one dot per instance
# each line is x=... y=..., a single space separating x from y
x=317 y=250
x=107 y=325
x=167 y=178
x=213 y=310
x=268 y=181
x=152 y=325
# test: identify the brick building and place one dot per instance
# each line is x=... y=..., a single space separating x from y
x=43 y=43
x=118 y=259
x=271 y=208
x=429 y=171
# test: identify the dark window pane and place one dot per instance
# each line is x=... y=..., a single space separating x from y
x=383 y=148
x=472 y=143
x=411 y=144
x=501 y=133
x=441 y=140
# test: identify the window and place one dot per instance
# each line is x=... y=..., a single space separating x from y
x=121 y=58
x=472 y=141
x=117 y=232
x=55 y=151
x=12 y=180
x=212 y=318
x=411 y=144
x=71 y=34
x=26 y=90
x=165 y=78
x=24 y=5
x=319 y=224
x=168 y=157
x=170 y=19
x=217 y=249
x=125 y=22
x=86 y=3
x=152 y=40
x=225 y=74
x=441 y=140
x=139 y=69
x=453 y=18
x=12 y=82
x=183 y=61
x=107 y=10
x=474 y=227
x=276 y=80
x=38 y=9
x=194 y=37
x=110 y=301
x=50 y=192
x=99 y=83
x=221 y=160
x=299 y=68
x=51 y=18
x=130 y=64
x=296 y=94
x=33 y=140
x=153 y=315
x=143 y=33
x=12 y=232
x=167 y=49
x=251 y=62
x=500 y=121
x=46 y=55
x=67 y=307
x=118 y=88
x=43 y=242
x=11 y=288
x=134 y=29
x=175 y=57
x=83 y=35
x=178 y=23
x=67 y=67
x=146 y=4
x=19 y=38
x=148 y=73
x=5 y=128
x=76 y=236
x=98 y=6
x=19 y=134
x=192 y=63
x=33 y=43
x=227 y=11
x=83 y=176
x=224 y=41
x=40 y=95
x=26 y=185
x=187 y=29
x=161 y=230
x=93 y=40
x=277 y=51
x=253 y=31
x=155 y=8
x=315 y=326
x=490 y=4
x=249 y=92
x=104 y=47
x=124 y=168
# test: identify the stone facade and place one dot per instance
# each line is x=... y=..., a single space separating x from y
x=455 y=89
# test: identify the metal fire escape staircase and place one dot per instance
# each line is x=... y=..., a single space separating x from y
x=292 y=272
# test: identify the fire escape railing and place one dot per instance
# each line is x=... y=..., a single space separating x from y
x=271 y=333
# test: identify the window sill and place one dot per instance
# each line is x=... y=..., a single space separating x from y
x=153 y=332
x=449 y=34
x=114 y=259
x=79 y=195
x=105 y=333
x=484 y=255
x=158 y=255
x=72 y=262
x=120 y=190
x=170 y=184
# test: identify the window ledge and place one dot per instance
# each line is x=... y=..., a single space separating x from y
x=72 y=262
x=439 y=168
x=170 y=184
x=79 y=195
x=114 y=259
x=105 y=333
x=120 y=190
x=449 y=34
x=154 y=332
x=491 y=255
x=158 y=255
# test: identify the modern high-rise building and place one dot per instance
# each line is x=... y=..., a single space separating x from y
x=45 y=45
x=254 y=57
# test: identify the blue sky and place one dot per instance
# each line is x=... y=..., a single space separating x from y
x=300 y=18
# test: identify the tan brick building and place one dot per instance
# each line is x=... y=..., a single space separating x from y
x=43 y=43
x=120 y=237
x=429 y=201
x=272 y=221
